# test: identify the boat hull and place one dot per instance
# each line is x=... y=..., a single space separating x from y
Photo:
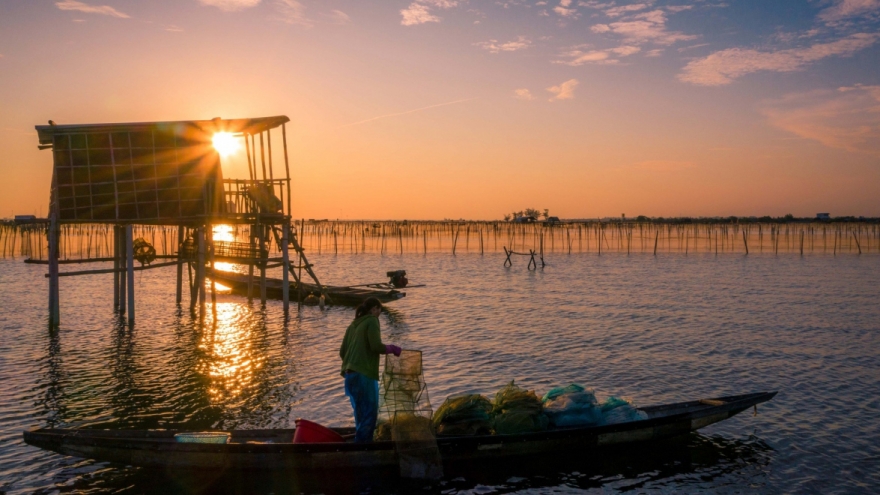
x=272 y=449
x=350 y=296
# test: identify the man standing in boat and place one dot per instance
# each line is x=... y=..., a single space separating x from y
x=360 y=352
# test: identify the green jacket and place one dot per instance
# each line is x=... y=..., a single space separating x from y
x=361 y=347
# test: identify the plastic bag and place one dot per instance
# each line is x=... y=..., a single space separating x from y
x=517 y=410
x=573 y=405
x=464 y=415
x=618 y=410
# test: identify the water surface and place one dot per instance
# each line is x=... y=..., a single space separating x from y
x=655 y=329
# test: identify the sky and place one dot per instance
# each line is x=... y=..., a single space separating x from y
x=434 y=109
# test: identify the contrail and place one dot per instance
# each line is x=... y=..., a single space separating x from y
x=406 y=112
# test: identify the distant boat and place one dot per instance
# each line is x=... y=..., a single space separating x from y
x=349 y=296
x=274 y=448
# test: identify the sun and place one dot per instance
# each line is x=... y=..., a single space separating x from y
x=225 y=143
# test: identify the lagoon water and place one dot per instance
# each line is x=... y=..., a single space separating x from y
x=655 y=329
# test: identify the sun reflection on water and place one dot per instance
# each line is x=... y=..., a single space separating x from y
x=232 y=360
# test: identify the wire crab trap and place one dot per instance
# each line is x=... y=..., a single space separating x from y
x=407 y=409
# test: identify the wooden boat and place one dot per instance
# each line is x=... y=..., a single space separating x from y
x=273 y=449
x=238 y=282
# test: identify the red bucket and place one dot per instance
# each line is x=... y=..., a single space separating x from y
x=310 y=432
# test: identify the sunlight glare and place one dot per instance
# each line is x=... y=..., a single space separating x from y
x=225 y=143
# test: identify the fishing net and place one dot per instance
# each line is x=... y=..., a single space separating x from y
x=407 y=409
x=464 y=415
x=517 y=410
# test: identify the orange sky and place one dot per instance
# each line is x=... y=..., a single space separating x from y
x=435 y=109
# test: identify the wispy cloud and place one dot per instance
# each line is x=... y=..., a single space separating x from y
x=339 y=17
x=230 y=5
x=843 y=10
x=564 y=91
x=493 y=46
x=90 y=9
x=578 y=55
x=173 y=29
x=847 y=118
x=565 y=9
x=523 y=94
x=371 y=119
x=724 y=66
x=625 y=9
x=419 y=12
x=291 y=12
x=644 y=27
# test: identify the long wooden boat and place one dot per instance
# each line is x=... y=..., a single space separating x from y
x=273 y=449
x=238 y=282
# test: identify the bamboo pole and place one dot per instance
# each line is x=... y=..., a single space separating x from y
x=129 y=256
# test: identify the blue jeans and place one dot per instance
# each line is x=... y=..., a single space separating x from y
x=363 y=392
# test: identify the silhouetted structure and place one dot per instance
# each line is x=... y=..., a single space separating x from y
x=168 y=173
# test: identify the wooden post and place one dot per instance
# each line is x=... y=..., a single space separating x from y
x=117 y=276
x=180 y=240
x=656 y=238
x=250 y=286
x=802 y=242
x=129 y=262
x=54 y=292
x=858 y=244
x=262 y=261
x=746 y=244
x=200 y=270
x=123 y=276
x=209 y=243
x=285 y=257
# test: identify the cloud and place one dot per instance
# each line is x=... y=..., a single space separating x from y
x=416 y=14
x=625 y=9
x=564 y=91
x=577 y=56
x=724 y=66
x=564 y=9
x=230 y=5
x=523 y=94
x=339 y=17
x=846 y=9
x=521 y=43
x=289 y=11
x=419 y=12
x=90 y=9
x=847 y=118
x=173 y=29
x=644 y=27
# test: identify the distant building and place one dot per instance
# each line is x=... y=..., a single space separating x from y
x=552 y=219
x=524 y=219
x=823 y=216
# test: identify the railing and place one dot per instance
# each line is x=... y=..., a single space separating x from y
x=253 y=197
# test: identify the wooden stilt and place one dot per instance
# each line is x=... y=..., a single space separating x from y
x=209 y=242
x=262 y=262
x=285 y=257
x=117 y=265
x=250 y=287
x=200 y=271
x=129 y=257
x=123 y=276
x=180 y=241
x=54 y=292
